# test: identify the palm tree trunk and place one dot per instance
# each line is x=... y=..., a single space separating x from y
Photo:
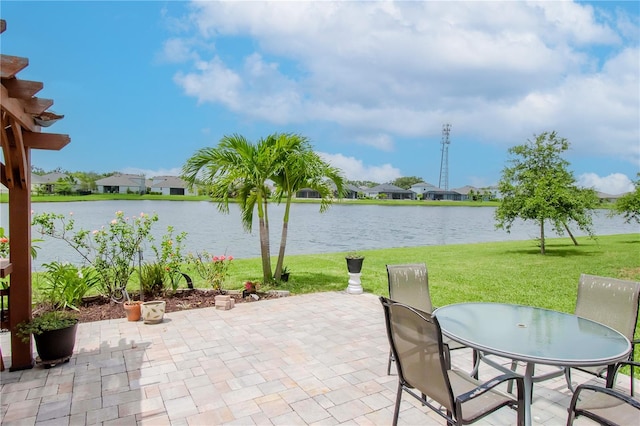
x=542 y=236
x=575 y=242
x=283 y=238
x=263 y=221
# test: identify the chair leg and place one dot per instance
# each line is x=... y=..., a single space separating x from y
x=514 y=367
x=396 y=411
x=631 y=366
x=612 y=371
x=476 y=364
x=389 y=363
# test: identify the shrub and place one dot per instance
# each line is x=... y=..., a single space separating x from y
x=152 y=277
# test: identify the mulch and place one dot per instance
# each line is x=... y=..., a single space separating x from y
x=100 y=308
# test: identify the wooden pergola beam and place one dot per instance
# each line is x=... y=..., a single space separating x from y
x=3 y=175
x=6 y=149
x=21 y=168
x=37 y=105
x=22 y=89
x=12 y=65
x=48 y=141
x=15 y=109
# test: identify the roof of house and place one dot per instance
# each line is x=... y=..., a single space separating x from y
x=423 y=184
x=464 y=190
x=121 y=180
x=604 y=195
x=52 y=177
x=168 y=182
x=387 y=187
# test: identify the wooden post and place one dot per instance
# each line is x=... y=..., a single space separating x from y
x=20 y=278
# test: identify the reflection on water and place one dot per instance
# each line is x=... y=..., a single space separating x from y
x=343 y=227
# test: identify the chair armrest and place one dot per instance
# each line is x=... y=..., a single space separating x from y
x=492 y=383
x=629 y=363
x=447 y=356
x=611 y=392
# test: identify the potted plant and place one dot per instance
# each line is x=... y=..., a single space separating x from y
x=54 y=333
x=54 y=326
x=132 y=309
x=153 y=312
x=354 y=262
x=284 y=276
x=354 y=265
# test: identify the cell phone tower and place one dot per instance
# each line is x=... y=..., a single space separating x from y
x=444 y=160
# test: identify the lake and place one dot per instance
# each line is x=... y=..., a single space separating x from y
x=344 y=227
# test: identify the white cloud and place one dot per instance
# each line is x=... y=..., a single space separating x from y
x=614 y=184
x=499 y=71
x=380 y=141
x=354 y=169
x=214 y=82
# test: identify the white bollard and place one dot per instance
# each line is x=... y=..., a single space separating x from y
x=354 y=287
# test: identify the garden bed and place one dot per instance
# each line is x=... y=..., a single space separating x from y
x=100 y=308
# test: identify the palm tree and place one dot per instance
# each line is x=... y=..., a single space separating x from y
x=238 y=169
x=300 y=167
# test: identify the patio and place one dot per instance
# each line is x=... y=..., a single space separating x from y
x=313 y=359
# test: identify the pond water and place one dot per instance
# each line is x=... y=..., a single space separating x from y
x=344 y=227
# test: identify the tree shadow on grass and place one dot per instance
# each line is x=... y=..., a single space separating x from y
x=558 y=249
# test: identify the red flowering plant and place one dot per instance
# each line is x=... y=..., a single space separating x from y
x=4 y=244
x=4 y=252
x=213 y=269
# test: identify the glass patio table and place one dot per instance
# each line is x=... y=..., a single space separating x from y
x=533 y=336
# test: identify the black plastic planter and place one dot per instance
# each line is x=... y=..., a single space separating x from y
x=55 y=345
x=354 y=265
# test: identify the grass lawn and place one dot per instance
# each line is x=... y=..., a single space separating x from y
x=509 y=272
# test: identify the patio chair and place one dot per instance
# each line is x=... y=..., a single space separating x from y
x=409 y=284
x=614 y=303
x=604 y=405
x=424 y=364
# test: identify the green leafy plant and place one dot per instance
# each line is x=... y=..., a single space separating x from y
x=4 y=252
x=110 y=250
x=4 y=244
x=213 y=269
x=354 y=255
x=152 y=278
x=65 y=284
x=169 y=255
x=48 y=321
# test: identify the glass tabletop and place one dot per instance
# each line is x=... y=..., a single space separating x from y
x=532 y=334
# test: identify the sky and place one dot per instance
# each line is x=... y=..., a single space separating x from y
x=143 y=85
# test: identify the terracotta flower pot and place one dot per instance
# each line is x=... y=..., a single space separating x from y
x=132 y=309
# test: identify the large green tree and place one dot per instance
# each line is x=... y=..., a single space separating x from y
x=538 y=186
x=238 y=169
x=301 y=168
x=629 y=204
x=407 y=181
